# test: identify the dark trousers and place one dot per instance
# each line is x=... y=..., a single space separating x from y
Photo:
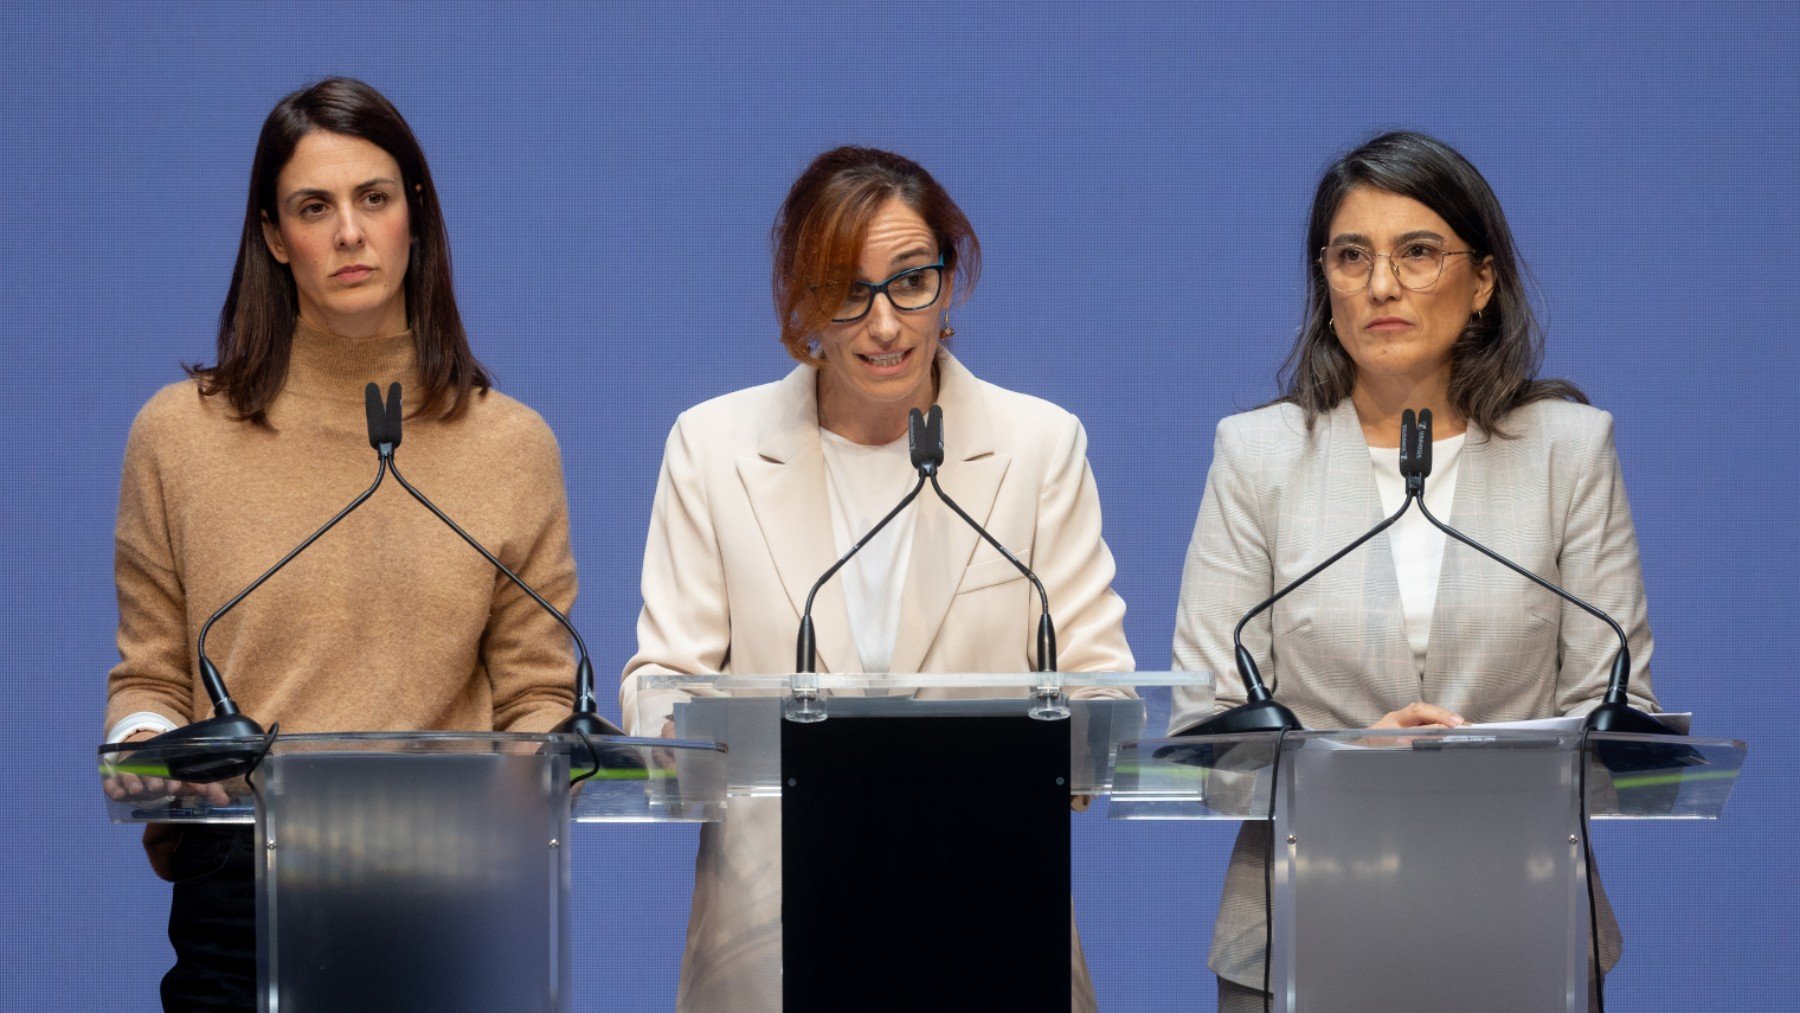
x=212 y=921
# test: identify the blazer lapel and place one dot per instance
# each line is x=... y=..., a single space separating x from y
x=785 y=481
x=1386 y=656
x=1451 y=655
x=943 y=543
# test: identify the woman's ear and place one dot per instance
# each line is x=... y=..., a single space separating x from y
x=272 y=239
x=1484 y=284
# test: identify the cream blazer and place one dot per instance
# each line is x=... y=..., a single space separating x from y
x=1279 y=499
x=740 y=530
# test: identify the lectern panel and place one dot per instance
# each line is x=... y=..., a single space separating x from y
x=414 y=880
x=1468 y=857
x=925 y=863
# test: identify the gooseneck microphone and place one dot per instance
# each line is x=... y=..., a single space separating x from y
x=1615 y=713
x=585 y=721
x=1260 y=712
x=806 y=646
x=931 y=425
x=206 y=763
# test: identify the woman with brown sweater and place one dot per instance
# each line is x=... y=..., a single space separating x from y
x=390 y=622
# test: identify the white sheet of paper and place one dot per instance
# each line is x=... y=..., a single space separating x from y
x=1680 y=722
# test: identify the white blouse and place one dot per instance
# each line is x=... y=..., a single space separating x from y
x=1418 y=547
x=864 y=483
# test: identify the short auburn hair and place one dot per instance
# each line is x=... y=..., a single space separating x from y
x=819 y=232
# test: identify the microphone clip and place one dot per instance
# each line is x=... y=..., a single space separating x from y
x=925 y=440
x=1415 y=451
x=385 y=421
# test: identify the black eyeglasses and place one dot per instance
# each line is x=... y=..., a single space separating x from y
x=912 y=289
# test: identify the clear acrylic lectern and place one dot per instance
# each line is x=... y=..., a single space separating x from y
x=910 y=833
x=1461 y=851
x=425 y=870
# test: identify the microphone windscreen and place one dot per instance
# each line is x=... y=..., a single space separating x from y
x=1424 y=454
x=377 y=417
x=934 y=434
x=915 y=437
x=1408 y=429
x=394 y=414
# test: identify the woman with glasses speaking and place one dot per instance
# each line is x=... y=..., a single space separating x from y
x=763 y=489
x=1415 y=299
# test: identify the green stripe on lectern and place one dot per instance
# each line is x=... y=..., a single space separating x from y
x=1675 y=777
x=626 y=774
x=140 y=769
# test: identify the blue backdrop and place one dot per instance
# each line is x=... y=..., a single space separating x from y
x=610 y=177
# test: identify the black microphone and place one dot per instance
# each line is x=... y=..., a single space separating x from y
x=208 y=762
x=1615 y=713
x=806 y=646
x=1260 y=712
x=925 y=440
x=932 y=428
x=585 y=721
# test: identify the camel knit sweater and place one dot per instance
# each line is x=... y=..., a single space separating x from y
x=389 y=622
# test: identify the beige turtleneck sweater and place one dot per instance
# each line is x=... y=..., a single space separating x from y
x=389 y=622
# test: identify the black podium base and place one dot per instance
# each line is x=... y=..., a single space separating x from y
x=925 y=864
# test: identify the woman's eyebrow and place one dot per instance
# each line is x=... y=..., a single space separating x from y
x=313 y=191
x=921 y=251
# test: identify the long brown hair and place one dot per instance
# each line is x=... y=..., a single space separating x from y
x=1494 y=361
x=256 y=325
x=819 y=232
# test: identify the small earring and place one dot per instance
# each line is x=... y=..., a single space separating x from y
x=944 y=328
x=1329 y=322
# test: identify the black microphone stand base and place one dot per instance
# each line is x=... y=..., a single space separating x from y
x=1618 y=717
x=588 y=726
x=1632 y=757
x=1244 y=719
x=194 y=752
x=587 y=723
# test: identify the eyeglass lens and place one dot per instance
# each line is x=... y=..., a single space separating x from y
x=908 y=290
x=1348 y=267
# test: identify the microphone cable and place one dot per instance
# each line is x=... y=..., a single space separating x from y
x=806 y=650
x=1269 y=875
x=1587 y=860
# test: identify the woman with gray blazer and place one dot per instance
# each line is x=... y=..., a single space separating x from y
x=1416 y=299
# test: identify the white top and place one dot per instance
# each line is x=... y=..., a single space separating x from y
x=864 y=483
x=1418 y=546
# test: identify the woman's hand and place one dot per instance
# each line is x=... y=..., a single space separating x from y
x=1421 y=715
x=127 y=787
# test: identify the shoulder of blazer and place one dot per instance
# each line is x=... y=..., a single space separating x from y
x=1552 y=429
x=1023 y=420
x=1270 y=434
x=734 y=423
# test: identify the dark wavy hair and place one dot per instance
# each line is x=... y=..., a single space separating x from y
x=819 y=231
x=256 y=324
x=1494 y=361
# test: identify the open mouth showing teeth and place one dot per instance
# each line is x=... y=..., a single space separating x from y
x=890 y=359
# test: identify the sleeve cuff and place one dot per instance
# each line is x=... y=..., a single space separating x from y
x=142 y=721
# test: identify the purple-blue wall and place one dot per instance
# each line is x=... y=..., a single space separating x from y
x=1139 y=176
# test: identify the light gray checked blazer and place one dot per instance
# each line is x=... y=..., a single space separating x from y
x=1279 y=499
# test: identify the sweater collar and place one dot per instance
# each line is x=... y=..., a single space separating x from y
x=333 y=367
